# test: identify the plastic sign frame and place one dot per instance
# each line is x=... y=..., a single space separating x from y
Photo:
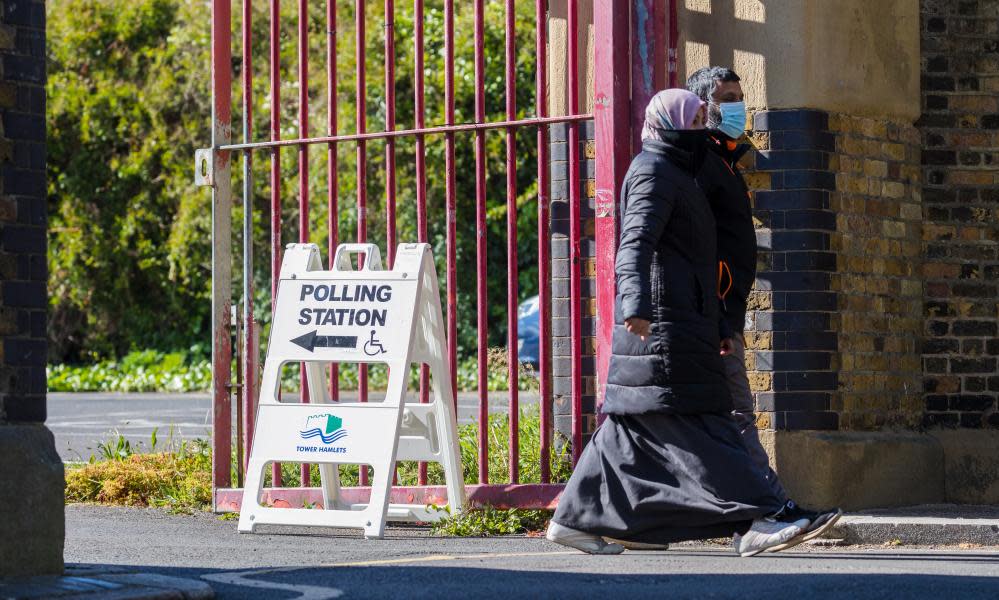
x=347 y=315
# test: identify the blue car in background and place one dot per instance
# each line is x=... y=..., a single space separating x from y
x=527 y=331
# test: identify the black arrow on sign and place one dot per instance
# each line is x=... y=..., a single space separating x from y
x=311 y=341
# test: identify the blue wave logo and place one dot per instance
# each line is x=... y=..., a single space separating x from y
x=332 y=432
x=327 y=439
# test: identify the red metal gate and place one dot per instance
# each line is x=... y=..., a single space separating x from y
x=616 y=32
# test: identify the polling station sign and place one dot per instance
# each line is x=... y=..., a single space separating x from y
x=348 y=315
x=337 y=320
x=355 y=312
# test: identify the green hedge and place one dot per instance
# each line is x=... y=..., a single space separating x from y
x=152 y=371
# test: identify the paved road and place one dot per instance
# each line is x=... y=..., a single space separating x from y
x=80 y=421
x=286 y=562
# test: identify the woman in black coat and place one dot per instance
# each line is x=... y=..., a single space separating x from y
x=668 y=463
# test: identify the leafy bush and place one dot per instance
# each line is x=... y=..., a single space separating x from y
x=128 y=103
x=147 y=371
x=152 y=371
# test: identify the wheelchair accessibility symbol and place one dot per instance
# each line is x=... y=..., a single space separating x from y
x=374 y=347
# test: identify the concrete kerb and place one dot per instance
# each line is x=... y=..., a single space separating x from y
x=930 y=525
x=92 y=583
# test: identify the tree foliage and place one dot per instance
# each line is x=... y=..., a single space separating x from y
x=130 y=101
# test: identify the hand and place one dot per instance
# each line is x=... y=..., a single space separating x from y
x=727 y=346
x=639 y=327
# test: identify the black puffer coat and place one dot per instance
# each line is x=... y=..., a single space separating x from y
x=666 y=273
x=722 y=182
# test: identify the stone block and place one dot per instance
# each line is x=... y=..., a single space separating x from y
x=31 y=493
x=971 y=465
x=857 y=470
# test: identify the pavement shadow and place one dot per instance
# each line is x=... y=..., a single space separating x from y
x=599 y=580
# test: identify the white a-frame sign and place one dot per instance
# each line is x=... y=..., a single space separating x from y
x=355 y=316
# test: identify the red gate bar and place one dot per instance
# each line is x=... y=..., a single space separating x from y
x=440 y=129
x=333 y=223
x=222 y=243
x=303 y=170
x=612 y=116
x=421 y=179
x=449 y=191
x=390 y=237
x=544 y=238
x=481 y=291
x=513 y=361
x=248 y=393
x=575 y=283
x=361 y=103
x=275 y=64
x=672 y=68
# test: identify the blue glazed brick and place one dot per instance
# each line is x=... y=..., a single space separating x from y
x=792 y=321
x=810 y=219
x=792 y=401
x=811 y=261
x=803 y=140
x=806 y=340
x=817 y=301
x=792 y=199
x=25 y=408
x=806 y=381
x=799 y=240
x=777 y=120
x=806 y=420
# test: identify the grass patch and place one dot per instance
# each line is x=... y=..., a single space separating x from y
x=486 y=521
x=179 y=480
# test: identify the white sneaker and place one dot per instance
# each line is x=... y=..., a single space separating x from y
x=580 y=540
x=764 y=534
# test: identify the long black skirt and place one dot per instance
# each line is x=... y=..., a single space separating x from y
x=661 y=478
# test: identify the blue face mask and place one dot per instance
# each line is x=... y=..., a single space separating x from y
x=733 y=119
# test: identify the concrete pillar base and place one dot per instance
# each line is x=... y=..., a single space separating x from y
x=856 y=470
x=971 y=464
x=859 y=470
x=33 y=521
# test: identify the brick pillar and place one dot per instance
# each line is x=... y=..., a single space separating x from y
x=562 y=361
x=790 y=324
x=960 y=134
x=31 y=472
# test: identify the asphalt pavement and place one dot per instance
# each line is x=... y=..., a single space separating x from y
x=284 y=562
x=81 y=420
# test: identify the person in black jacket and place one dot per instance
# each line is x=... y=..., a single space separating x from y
x=668 y=463
x=721 y=181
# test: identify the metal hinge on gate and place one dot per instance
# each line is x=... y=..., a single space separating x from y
x=204 y=167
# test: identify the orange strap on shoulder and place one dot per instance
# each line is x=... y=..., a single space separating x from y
x=724 y=270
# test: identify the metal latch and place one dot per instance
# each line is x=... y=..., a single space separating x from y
x=204 y=167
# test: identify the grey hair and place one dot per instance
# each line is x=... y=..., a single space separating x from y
x=704 y=81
